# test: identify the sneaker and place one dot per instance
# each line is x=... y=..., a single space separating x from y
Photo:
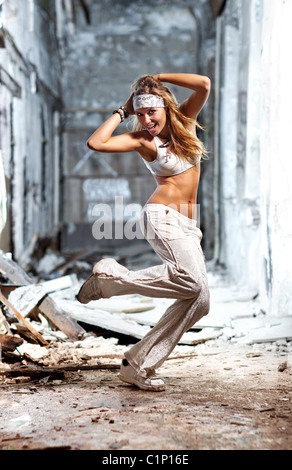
x=129 y=375
x=89 y=290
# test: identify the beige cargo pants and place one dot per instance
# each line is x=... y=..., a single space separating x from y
x=181 y=276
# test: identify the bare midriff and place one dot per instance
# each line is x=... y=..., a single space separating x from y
x=178 y=191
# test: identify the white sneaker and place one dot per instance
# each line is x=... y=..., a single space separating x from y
x=129 y=375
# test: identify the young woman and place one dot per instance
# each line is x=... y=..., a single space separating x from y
x=165 y=137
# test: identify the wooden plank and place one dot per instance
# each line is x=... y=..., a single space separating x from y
x=275 y=329
x=119 y=304
x=47 y=306
x=26 y=298
x=55 y=373
x=4 y=325
x=150 y=318
x=11 y=270
x=61 y=319
x=122 y=324
x=192 y=338
x=23 y=320
x=9 y=343
x=108 y=321
x=34 y=371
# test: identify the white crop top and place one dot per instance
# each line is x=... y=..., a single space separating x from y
x=167 y=163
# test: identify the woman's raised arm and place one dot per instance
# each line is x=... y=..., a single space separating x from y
x=200 y=85
x=103 y=141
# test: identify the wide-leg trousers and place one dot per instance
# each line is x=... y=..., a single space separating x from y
x=182 y=276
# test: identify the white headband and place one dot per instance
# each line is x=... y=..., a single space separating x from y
x=147 y=101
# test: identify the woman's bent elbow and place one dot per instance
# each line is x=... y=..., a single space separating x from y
x=206 y=83
x=89 y=144
x=92 y=145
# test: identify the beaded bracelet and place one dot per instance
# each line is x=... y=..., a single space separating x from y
x=122 y=112
x=126 y=114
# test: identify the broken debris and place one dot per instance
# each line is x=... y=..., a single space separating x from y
x=43 y=324
x=26 y=323
x=47 y=306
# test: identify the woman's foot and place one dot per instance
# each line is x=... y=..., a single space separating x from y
x=89 y=290
x=129 y=375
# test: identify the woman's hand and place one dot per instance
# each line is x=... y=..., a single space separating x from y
x=129 y=104
x=198 y=83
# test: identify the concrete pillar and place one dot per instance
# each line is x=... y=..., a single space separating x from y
x=254 y=110
x=276 y=162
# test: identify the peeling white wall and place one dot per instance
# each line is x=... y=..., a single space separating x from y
x=276 y=161
x=30 y=102
x=255 y=166
x=238 y=151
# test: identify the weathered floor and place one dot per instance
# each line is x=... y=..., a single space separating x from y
x=225 y=396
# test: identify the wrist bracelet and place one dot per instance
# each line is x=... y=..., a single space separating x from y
x=126 y=114
x=122 y=112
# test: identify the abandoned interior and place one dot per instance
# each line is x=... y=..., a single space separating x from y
x=65 y=65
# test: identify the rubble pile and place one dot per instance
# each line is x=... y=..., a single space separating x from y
x=45 y=331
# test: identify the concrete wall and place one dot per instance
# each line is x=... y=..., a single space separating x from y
x=30 y=73
x=108 y=46
x=253 y=113
x=65 y=65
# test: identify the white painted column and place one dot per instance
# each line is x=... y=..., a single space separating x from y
x=276 y=158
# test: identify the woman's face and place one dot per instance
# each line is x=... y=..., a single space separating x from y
x=154 y=120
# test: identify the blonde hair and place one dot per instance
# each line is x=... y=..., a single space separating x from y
x=183 y=142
